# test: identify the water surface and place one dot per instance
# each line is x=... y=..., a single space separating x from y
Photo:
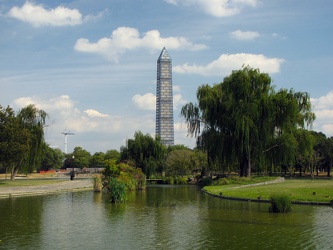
x=162 y=217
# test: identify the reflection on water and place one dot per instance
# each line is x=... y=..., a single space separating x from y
x=161 y=217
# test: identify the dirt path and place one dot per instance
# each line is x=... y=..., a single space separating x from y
x=62 y=186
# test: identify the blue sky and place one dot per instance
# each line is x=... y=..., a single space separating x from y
x=91 y=65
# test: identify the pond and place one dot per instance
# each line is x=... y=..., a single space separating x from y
x=161 y=217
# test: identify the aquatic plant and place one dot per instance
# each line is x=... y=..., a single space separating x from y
x=97 y=182
x=280 y=203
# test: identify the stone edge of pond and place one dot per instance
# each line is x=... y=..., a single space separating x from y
x=265 y=201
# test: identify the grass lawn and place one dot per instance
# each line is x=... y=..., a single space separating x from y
x=317 y=190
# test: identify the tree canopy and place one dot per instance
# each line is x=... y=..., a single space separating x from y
x=243 y=120
x=146 y=152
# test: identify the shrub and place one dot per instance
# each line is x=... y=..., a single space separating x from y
x=180 y=180
x=169 y=180
x=206 y=181
x=97 y=182
x=221 y=181
x=280 y=203
x=117 y=190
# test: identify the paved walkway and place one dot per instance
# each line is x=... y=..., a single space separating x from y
x=62 y=186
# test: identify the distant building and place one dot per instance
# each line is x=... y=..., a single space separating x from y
x=164 y=99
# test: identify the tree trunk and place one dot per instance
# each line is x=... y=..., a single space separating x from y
x=329 y=170
x=245 y=167
x=15 y=170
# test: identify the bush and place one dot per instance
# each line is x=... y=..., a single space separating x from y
x=206 y=181
x=221 y=181
x=180 y=180
x=281 y=203
x=97 y=182
x=117 y=190
x=169 y=180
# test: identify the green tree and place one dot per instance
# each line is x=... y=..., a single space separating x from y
x=179 y=162
x=328 y=154
x=14 y=140
x=147 y=153
x=318 y=154
x=112 y=154
x=52 y=158
x=81 y=158
x=97 y=160
x=33 y=120
x=240 y=120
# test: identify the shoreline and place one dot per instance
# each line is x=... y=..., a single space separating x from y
x=78 y=184
x=266 y=201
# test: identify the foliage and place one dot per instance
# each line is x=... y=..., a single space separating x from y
x=97 y=160
x=243 y=120
x=147 y=153
x=97 y=182
x=175 y=180
x=237 y=180
x=33 y=120
x=81 y=158
x=52 y=158
x=280 y=203
x=179 y=162
x=117 y=190
x=328 y=153
x=206 y=181
x=133 y=178
x=21 y=138
x=112 y=154
x=14 y=140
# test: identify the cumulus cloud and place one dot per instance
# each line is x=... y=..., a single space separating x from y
x=323 y=108
x=323 y=102
x=38 y=16
x=95 y=113
x=244 y=35
x=217 y=8
x=178 y=101
x=146 y=101
x=228 y=62
x=126 y=38
x=63 y=112
x=93 y=130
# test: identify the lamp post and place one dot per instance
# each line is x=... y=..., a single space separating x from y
x=72 y=172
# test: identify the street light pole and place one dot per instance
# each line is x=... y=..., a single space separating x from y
x=72 y=172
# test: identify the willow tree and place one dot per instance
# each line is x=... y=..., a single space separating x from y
x=32 y=120
x=242 y=119
x=14 y=141
x=146 y=152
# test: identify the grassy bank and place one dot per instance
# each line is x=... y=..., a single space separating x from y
x=299 y=190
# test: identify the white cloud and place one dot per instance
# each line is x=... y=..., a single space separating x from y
x=63 y=112
x=146 y=101
x=178 y=101
x=323 y=102
x=278 y=36
x=126 y=38
x=217 y=8
x=228 y=62
x=323 y=108
x=176 y=88
x=38 y=16
x=95 y=113
x=244 y=35
x=91 y=132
